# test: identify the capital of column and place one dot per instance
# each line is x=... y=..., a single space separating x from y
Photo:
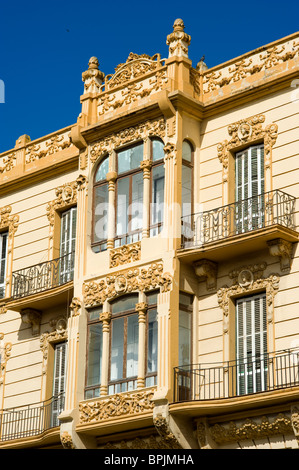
x=141 y=308
x=111 y=177
x=146 y=165
x=105 y=318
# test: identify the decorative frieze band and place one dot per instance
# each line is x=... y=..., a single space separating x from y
x=125 y=254
x=137 y=279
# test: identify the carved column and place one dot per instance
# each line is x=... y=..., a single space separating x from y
x=146 y=167
x=105 y=318
x=141 y=308
x=111 y=177
x=172 y=228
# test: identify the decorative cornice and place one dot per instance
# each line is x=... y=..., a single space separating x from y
x=116 y=406
x=131 y=134
x=125 y=254
x=137 y=279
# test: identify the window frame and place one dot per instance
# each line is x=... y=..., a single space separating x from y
x=96 y=245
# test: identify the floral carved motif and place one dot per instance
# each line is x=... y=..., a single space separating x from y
x=123 y=404
x=164 y=431
x=247 y=131
x=151 y=442
x=8 y=163
x=142 y=131
x=5 y=350
x=53 y=145
x=251 y=429
x=250 y=285
x=58 y=334
x=140 y=279
x=66 y=196
x=125 y=254
x=248 y=66
x=67 y=441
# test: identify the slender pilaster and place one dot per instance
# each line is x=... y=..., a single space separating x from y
x=146 y=167
x=111 y=177
x=141 y=308
x=105 y=318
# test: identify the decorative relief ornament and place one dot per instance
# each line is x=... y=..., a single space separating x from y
x=5 y=352
x=8 y=163
x=93 y=77
x=138 y=279
x=283 y=249
x=178 y=41
x=251 y=429
x=140 y=132
x=75 y=306
x=164 y=431
x=119 y=405
x=125 y=254
x=67 y=441
x=66 y=196
x=47 y=148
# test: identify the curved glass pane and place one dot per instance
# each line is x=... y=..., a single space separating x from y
x=158 y=152
x=102 y=170
x=187 y=151
x=129 y=159
x=101 y=213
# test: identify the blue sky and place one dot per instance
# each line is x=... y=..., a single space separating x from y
x=45 y=47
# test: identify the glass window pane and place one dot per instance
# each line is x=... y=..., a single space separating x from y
x=129 y=159
x=102 y=170
x=123 y=187
x=157 y=204
x=95 y=313
x=117 y=349
x=186 y=299
x=124 y=304
x=152 y=298
x=184 y=338
x=152 y=342
x=158 y=150
x=101 y=213
x=187 y=151
x=136 y=207
x=186 y=190
x=132 y=346
x=95 y=341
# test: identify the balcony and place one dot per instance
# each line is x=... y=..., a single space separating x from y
x=51 y=278
x=240 y=227
x=30 y=420
x=240 y=378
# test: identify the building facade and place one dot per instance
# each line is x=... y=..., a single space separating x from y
x=149 y=260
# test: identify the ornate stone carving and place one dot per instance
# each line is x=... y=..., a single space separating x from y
x=58 y=334
x=55 y=144
x=164 y=431
x=33 y=317
x=251 y=429
x=137 y=279
x=131 y=134
x=8 y=163
x=116 y=406
x=66 y=197
x=256 y=270
x=67 y=441
x=205 y=268
x=125 y=254
x=170 y=152
x=148 y=442
x=178 y=41
x=93 y=77
x=270 y=285
x=8 y=221
x=75 y=306
x=247 y=131
x=5 y=352
x=283 y=249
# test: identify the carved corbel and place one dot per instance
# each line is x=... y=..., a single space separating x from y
x=77 y=138
x=295 y=421
x=162 y=426
x=32 y=317
x=283 y=249
x=205 y=268
x=203 y=435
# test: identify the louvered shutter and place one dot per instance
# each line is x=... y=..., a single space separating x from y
x=59 y=379
x=67 y=244
x=3 y=257
x=249 y=171
x=251 y=344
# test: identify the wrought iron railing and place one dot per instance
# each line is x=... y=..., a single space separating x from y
x=264 y=210
x=43 y=276
x=250 y=375
x=30 y=420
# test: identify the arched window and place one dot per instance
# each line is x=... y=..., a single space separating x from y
x=100 y=209
x=187 y=190
x=135 y=183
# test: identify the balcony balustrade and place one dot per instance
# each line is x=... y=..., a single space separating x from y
x=258 y=212
x=250 y=375
x=42 y=277
x=30 y=420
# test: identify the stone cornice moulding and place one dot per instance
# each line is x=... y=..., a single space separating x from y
x=131 y=280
